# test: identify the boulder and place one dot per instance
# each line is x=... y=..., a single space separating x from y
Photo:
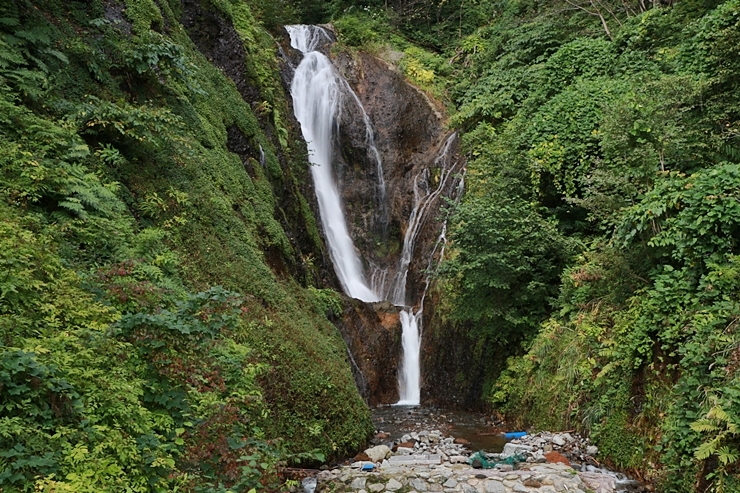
x=419 y=484
x=515 y=448
x=554 y=457
x=495 y=487
x=393 y=485
x=378 y=453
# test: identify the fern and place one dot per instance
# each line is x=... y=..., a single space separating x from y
x=729 y=152
x=722 y=430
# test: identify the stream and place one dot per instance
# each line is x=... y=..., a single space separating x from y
x=479 y=431
x=476 y=428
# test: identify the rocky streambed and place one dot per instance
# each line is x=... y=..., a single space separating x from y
x=413 y=459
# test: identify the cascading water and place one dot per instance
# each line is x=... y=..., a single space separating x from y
x=409 y=378
x=317 y=97
x=317 y=91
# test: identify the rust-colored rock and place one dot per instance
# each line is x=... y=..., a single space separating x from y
x=362 y=457
x=374 y=345
x=407 y=444
x=555 y=457
x=531 y=483
x=461 y=441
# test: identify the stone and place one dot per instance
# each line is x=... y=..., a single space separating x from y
x=592 y=450
x=531 y=483
x=467 y=488
x=477 y=464
x=520 y=488
x=461 y=441
x=514 y=448
x=418 y=484
x=404 y=451
x=504 y=467
x=378 y=453
x=362 y=457
x=393 y=485
x=359 y=483
x=450 y=483
x=495 y=487
x=376 y=488
x=458 y=459
x=555 y=457
x=558 y=440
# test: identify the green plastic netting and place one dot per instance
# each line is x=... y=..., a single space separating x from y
x=489 y=464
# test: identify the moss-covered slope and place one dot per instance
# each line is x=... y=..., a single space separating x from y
x=146 y=156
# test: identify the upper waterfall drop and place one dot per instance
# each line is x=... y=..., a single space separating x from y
x=317 y=93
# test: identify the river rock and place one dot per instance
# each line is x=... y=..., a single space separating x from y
x=467 y=488
x=418 y=484
x=555 y=457
x=393 y=484
x=359 y=483
x=376 y=488
x=513 y=449
x=592 y=450
x=495 y=487
x=378 y=453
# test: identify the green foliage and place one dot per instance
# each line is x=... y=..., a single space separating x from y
x=144 y=15
x=120 y=205
x=507 y=262
x=363 y=28
x=328 y=301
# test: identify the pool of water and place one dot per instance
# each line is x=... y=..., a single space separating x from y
x=476 y=428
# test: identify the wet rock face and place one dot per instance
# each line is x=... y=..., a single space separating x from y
x=409 y=137
x=218 y=40
x=372 y=332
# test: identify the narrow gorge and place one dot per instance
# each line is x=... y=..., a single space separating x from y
x=384 y=167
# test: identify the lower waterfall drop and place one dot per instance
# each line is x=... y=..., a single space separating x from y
x=409 y=378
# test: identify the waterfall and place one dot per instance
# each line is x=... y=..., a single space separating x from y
x=317 y=96
x=317 y=90
x=409 y=378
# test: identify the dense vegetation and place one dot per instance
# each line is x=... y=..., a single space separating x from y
x=598 y=240
x=161 y=306
x=161 y=314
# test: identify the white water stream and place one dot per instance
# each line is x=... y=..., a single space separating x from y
x=317 y=96
x=409 y=378
x=317 y=91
